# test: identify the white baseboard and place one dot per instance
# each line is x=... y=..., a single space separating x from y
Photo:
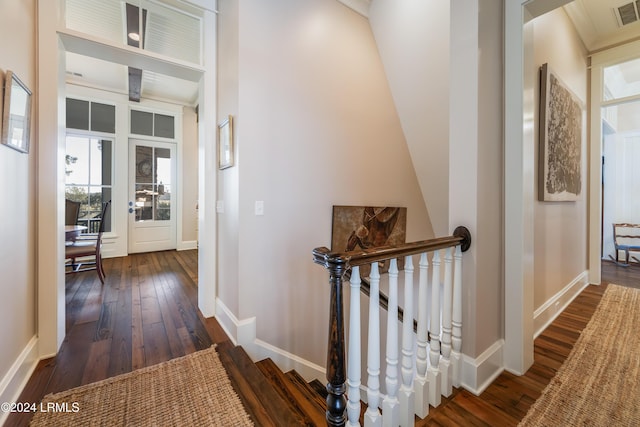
x=479 y=373
x=243 y=333
x=547 y=313
x=187 y=245
x=15 y=380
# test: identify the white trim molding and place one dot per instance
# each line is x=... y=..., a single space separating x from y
x=479 y=373
x=547 y=312
x=18 y=375
x=243 y=333
x=186 y=245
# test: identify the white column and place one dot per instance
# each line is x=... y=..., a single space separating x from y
x=353 y=364
x=434 y=335
x=372 y=417
x=456 y=322
x=445 y=362
x=407 y=398
x=391 y=405
x=422 y=381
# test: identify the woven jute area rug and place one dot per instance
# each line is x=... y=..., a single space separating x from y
x=193 y=390
x=599 y=384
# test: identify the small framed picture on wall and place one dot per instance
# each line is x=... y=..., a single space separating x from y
x=225 y=143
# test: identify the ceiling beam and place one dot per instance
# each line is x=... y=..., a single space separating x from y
x=135 y=84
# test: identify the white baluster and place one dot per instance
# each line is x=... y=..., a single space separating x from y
x=456 y=340
x=434 y=335
x=407 y=398
x=422 y=382
x=372 y=417
x=353 y=365
x=391 y=405
x=445 y=362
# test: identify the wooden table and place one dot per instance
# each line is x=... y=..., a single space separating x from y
x=71 y=232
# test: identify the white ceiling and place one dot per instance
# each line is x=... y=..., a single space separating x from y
x=598 y=24
x=595 y=21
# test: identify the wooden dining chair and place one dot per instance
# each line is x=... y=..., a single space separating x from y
x=87 y=248
x=71 y=212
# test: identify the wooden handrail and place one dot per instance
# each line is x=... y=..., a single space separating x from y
x=326 y=257
x=338 y=263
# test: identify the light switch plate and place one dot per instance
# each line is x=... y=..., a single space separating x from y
x=259 y=207
x=220 y=206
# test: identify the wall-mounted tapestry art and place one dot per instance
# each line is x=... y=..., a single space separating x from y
x=364 y=227
x=560 y=150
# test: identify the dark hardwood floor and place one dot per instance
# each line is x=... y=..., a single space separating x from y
x=147 y=313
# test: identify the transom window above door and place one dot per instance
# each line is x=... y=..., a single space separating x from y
x=152 y=124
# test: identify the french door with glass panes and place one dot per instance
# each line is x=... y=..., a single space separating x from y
x=152 y=196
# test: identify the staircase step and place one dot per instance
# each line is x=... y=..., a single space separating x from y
x=300 y=399
x=319 y=388
x=318 y=399
x=260 y=398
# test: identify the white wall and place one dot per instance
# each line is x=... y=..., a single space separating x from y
x=228 y=187
x=17 y=218
x=316 y=126
x=429 y=53
x=486 y=308
x=412 y=37
x=560 y=242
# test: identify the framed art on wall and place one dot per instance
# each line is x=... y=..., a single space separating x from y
x=225 y=143
x=561 y=140
x=16 y=113
x=364 y=227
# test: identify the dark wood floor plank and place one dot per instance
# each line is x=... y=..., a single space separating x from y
x=156 y=344
x=90 y=311
x=120 y=360
x=188 y=264
x=173 y=339
x=72 y=358
x=97 y=367
x=148 y=295
x=137 y=335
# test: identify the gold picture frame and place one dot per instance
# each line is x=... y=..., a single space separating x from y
x=225 y=143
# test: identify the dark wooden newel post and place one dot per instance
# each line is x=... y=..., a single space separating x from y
x=336 y=369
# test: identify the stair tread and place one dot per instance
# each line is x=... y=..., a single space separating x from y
x=319 y=388
x=308 y=391
x=300 y=400
x=260 y=398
